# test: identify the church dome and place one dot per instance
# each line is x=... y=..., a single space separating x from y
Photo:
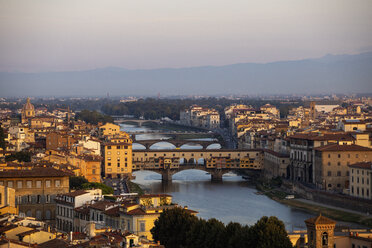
x=28 y=105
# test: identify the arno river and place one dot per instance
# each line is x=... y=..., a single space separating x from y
x=234 y=199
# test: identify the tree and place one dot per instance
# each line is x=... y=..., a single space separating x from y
x=172 y=226
x=21 y=156
x=77 y=182
x=2 y=138
x=93 y=117
x=269 y=232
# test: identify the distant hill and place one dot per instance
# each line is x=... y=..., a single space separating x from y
x=329 y=74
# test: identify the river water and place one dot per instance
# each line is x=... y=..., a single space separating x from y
x=233 y=199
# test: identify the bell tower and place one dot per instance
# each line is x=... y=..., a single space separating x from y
x=320 y=232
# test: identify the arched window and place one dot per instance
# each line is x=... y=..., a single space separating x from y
x=48 y=215
x=325 y=238
x=38 y=214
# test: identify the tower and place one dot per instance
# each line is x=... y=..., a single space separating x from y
x=312 y=111
x=320 y=232
x=28 y=111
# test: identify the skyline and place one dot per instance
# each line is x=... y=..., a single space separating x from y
x=83 y=35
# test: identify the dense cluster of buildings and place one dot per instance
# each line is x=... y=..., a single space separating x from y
x=197 y=116
x=324 y=146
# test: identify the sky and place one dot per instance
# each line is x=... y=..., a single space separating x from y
x=55 y=35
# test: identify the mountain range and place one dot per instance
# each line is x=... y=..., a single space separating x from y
x=328 y=74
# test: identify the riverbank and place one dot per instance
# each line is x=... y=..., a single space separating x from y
x=134 y=188
x=273 y=190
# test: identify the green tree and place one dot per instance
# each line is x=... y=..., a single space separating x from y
x=172 y=227
x=106 y=190
x=21 y=156
x=77 y=182
x=269 y=232
x=2 y=138
x=93 y=117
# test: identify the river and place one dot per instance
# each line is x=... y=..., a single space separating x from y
x=233 y=199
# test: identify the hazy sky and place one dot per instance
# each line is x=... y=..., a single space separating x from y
x=56 y=35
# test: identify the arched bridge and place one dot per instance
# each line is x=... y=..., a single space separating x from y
x=214 y=161
x=177 y=143
x=216 y=174
x=139 y=122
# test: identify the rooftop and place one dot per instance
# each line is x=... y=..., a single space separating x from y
x=337 y=147
x=362 y=165
x=34 y=172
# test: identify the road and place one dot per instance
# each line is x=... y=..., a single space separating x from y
x=118 y=184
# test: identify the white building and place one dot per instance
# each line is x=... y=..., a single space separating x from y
x=66 y=203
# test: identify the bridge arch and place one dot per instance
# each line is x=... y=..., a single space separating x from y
x=216 y=145
x=151 y=147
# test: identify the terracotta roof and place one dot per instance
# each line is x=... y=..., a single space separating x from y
x=320 y=220
x=338 y=136
x=337 y=147
x=101 y=205
x=76 y=193
x=113 y=211
x=277 y=154
x=362 y=165
x=55 y=243
x=34 y=172
x=137 y=211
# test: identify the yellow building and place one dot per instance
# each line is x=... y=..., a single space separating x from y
x=7 y=201
x=139 y=218
x=109 y=129
x=331 y=164
x=117 y=158
x=36 y=189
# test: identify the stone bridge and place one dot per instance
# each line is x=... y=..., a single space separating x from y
x=119 y=119
x=216 y=174
x=191 y=159
x=177 y=143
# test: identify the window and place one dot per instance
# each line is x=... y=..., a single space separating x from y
x=142 y=226
x=338 y=163
x=38 y=184
x=329 y=155
x=118 y=147
x=108 y=147
x=347 y=173
x=108 y=153
x=109 y=164
x=10 y=184
x=329 y=173
x=118 y=152
x=339 y=155
x=125 y=147
x=325 y=239
x=118 y=164
x=357 y=155
x=47 y=183
x=47 y=198
x=57 y=183
x=19 y=184
x=329 y=163
x=338 y=173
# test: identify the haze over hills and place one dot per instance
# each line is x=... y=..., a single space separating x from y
x=328 y=74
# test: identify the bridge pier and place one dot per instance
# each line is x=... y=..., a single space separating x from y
x=216 y=176
x=166 y=176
